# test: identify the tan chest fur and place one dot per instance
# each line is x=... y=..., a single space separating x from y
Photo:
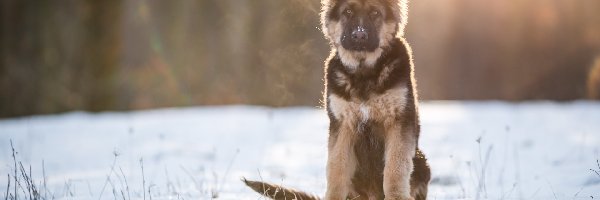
x=382 y=108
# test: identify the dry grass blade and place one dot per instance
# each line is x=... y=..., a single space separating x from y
x=16 y=195
x=597 y=171
x=7 y=188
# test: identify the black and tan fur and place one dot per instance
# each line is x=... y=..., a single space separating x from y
x=371 y=100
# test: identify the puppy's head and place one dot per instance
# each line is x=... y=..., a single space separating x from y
x=362 y=25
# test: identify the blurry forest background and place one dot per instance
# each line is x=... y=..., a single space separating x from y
x=93 y=55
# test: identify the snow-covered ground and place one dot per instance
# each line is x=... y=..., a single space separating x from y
x=477 y=150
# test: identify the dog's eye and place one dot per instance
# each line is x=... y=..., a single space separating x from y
x=375 y=13
x=348 y=12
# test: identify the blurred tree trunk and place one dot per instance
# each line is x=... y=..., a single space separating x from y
x=19 y=89
x=102 y=52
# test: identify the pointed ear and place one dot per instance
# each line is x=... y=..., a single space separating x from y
x=329 y=2
x=403 y=16
x=400 y=10
x=327 y=7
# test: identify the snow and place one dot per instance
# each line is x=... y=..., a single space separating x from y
x=477 y=150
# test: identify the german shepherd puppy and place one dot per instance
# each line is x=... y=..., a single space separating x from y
x=371 y=100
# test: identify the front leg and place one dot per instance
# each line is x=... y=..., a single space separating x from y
x=400 y=148
x=341 y=163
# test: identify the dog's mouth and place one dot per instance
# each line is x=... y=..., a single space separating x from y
x=361 y=49
x=366 y=45
x=359 y=46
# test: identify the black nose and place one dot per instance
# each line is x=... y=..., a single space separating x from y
x=360 y=35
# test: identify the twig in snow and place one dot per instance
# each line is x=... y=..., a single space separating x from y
x=126 y=184
x=552 y=189
x=196 y=184
x=16 y=195
x=482 y=179
x=228 y=168
x=7 y=188
x=597 y=171
x=45 y=179
x=112 y=169
x=143 y=179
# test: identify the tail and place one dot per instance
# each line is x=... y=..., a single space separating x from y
x=277 y=192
